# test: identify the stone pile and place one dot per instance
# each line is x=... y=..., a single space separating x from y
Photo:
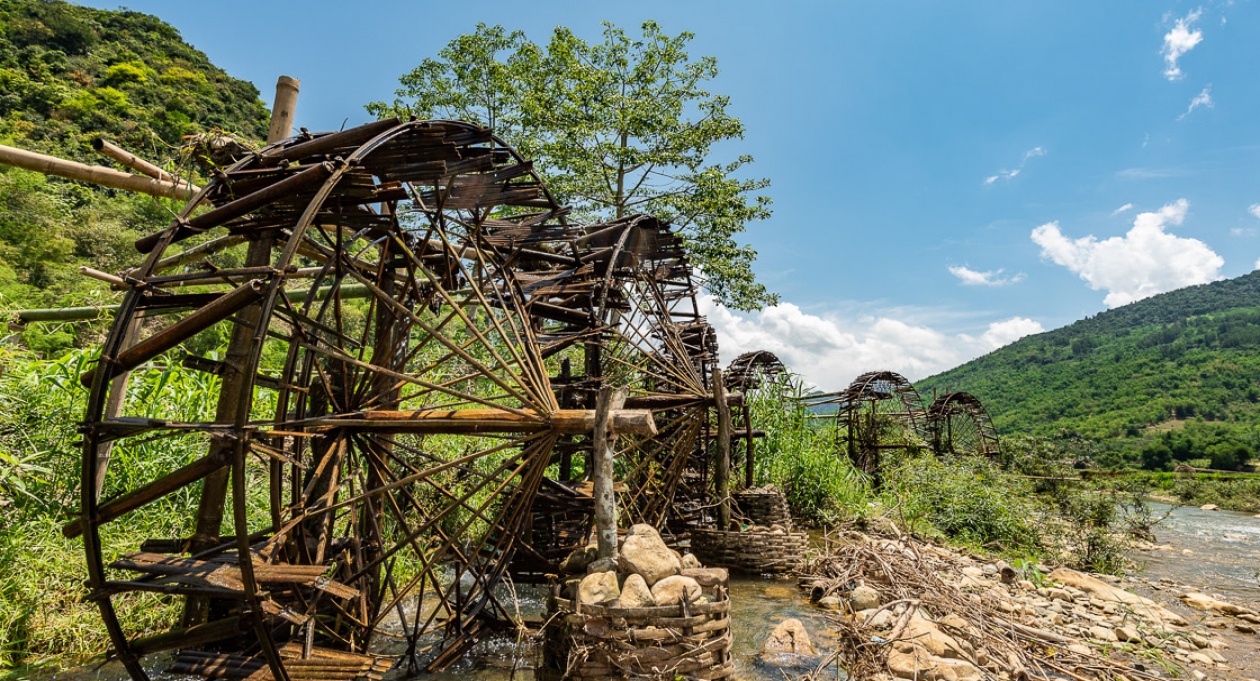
x=650 y=612
x=940 y=615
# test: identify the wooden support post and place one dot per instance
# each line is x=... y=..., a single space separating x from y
x=605 y=437
x=749 y=477
x=722 y=467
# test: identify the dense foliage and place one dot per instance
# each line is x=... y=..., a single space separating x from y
x=69 y=74
x=1175 y=377
x=624 y=125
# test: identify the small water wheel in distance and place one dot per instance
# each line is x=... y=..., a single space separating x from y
x=961 y=425
x=378 y=425
x=880 y=410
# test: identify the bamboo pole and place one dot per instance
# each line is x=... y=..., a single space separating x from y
x=138 y=164
x=488 y=420
x=608 y=402
x=722 y=468
x=106 y=177
x=282 y=110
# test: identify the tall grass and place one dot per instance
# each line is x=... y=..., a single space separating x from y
x=42 y=614
x=799 y=455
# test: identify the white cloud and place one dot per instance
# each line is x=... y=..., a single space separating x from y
x=830 y=351
x=1121 y=209
x=1243 y=231
x=1254 y=209
x=1145 y=261
x=1202 y=99
x=970 y=277
x=1180 y=40
x=1012 y=173
x=1257 y=265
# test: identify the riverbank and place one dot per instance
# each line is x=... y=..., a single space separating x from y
x=906 y=608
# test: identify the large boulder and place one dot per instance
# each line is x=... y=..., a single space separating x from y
x=672 y=590
x=644 y=553
x=636 y=594
x=598 y=587
x=788 y=645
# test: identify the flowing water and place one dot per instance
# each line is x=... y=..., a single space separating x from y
x=1224 y=555
x=1223 y=546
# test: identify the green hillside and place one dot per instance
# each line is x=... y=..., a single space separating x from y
x=1179 y=370
x=67 y=75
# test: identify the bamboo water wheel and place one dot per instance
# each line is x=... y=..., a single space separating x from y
x=960 y=425
x=879 y=411
x=404 y=305
x=747 y=374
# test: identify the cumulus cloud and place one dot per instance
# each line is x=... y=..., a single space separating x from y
x=1254 y=209
x=970 y=277
x=1121 y=209
x=830 y=351
x=1012 y=173
x=1203 y=99
x=1145 y=261
x=1180 y=40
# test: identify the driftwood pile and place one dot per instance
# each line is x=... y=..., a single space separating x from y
x=907 y=609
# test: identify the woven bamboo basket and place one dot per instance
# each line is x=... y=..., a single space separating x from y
x=764 y=508
x=758 y=551
x=683 y=641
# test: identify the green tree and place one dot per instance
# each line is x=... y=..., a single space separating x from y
x=619 y=126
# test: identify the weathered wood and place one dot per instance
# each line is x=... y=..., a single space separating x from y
x=722 y=467
x=299 y=182
x=225 y=306
x=149 y=493
x=563 y=421
x=106 y=177
x=138 y=164
x=604 y=438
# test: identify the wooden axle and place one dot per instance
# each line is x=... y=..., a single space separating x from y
x=563 y=421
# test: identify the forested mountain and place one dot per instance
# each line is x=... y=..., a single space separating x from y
x=1180 y=371
x=67 y=75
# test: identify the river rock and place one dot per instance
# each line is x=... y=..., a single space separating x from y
x=690 y=562
x=1209 y=507
x=1129 y=633
x=577 y=560
x=707 y=576
x=1199 y=658
x=829 y=603
x=879 y=619
x=644 y=553
x=636 y=594
x=924 y=631
x=602 y=565
x=909 y=661
x=598 y=587
x=1101 y=590
x=1101 y=633
x=1206 y=603
x=787 y=644
x=673 y=589
x=863 y=597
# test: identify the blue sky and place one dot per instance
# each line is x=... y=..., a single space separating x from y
x=946 y=176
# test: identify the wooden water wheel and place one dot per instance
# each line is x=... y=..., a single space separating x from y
x=383 y=414
x=749 y=373
x=960 y=425
x=879 y=411
x=401 y=303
